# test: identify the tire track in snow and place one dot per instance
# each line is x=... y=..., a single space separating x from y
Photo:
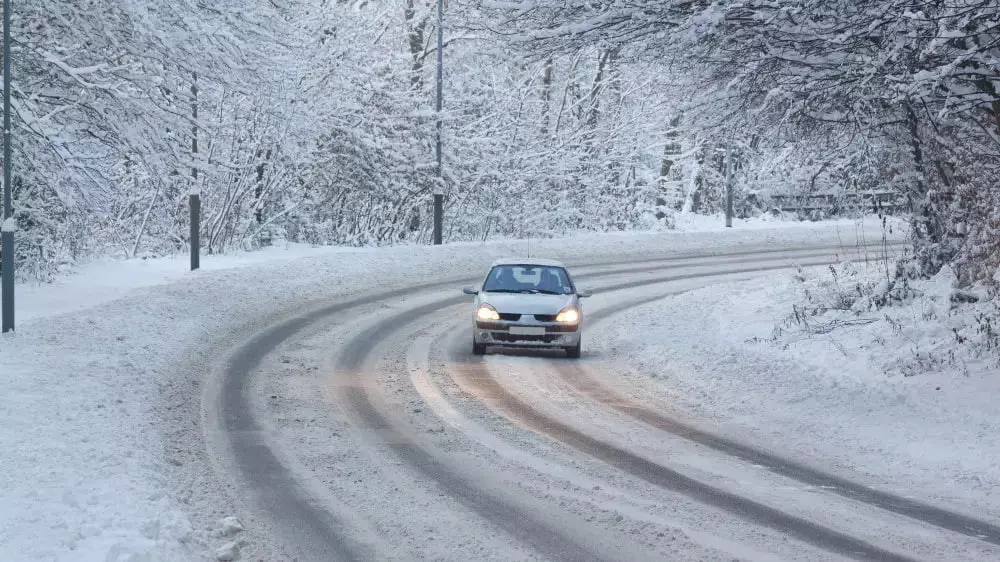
x=308 y=528
x=521 y=525
x=621 y=500
x=580 y=379
x=487 y=389
x=473 y=372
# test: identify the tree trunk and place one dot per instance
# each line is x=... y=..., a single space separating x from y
x=917 y=192
x=595 y=90
x=259 y=189
x=415 y=30
x=671 y=149
x=546 y=96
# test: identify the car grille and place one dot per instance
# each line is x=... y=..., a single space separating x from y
x=545 y=317
x=508 y=338
x=509 y=317
x=496 y=326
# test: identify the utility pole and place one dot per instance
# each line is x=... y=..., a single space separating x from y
x=8 y=226
x=729 y=186
x=439 y=184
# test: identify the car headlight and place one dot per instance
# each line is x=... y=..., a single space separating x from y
x=569 y=316
x=487 y=312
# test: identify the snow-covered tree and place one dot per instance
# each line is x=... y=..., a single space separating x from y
x=897 y=94
x=314 y=121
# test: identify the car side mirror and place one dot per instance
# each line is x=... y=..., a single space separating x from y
x=584 y=293
x=470 y=290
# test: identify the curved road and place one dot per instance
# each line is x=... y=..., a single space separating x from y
x=365 y=429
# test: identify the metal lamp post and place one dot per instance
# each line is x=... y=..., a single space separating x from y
x=7 y=230
x=439 y=185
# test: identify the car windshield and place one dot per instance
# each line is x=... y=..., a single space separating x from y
x=528 y=279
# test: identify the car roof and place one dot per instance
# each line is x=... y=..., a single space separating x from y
x=541 y=262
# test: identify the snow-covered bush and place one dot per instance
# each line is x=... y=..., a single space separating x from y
x=915 y=325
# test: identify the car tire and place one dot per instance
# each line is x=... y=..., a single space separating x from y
x=478 y=348
x=573 y=352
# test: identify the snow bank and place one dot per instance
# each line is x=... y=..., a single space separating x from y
x=696 y=222
x=101 y=281
x=88 y=472
x=901 y=397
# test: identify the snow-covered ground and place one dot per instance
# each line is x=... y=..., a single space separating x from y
x=804 y=362
x=105 y=280
x=87 y=472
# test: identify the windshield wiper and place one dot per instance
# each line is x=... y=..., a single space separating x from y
x=524 y=291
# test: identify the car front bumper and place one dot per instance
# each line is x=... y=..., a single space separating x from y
x=544 y=334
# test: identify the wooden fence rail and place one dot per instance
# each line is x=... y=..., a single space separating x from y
x=874 y=201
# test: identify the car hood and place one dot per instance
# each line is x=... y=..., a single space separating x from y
x=526 y=303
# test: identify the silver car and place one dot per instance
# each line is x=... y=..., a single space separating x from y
x=527 y=303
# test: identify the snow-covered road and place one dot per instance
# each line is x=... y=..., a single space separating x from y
x=330 y=403
x=364 y=428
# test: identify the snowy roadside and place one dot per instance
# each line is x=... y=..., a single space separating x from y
x=89 y=471
x=104 y=280
x=801 y=363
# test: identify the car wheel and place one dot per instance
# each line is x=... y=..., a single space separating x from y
x=573 y=352
x=478 y=348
